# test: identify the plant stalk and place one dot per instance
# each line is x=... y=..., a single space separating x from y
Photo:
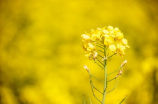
x=105 y=77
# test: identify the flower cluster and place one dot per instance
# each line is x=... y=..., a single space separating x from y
x=112 y=38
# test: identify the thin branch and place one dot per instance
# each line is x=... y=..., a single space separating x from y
x=100 y=62
x=107 y=50
x=111 y=79
x=97 y=78
x=93 y=85
x=100 y=46
x=97 y=90
x=111 y=55
x=101 y=51
x=123 y=100
x=113 y=88
x=100 y=56
x=115 y=71
x=90 y=101
x=99 y=65
x=92 y=90
x=84 y=99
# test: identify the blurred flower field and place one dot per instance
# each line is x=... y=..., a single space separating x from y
x=42 y=59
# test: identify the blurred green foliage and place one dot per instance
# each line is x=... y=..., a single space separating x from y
x=41 y=55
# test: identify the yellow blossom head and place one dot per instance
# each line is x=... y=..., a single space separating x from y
x=109 y=37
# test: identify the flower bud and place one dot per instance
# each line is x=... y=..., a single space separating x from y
x=123 y=63
x=95 y=55
x=85 y=67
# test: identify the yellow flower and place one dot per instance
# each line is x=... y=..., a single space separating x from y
x=116 y=29
x=105 y=31
x=90 y=47
x=119 y=36
x=125 y=42
x=96 y=35
x=85 y=37
x=120 y=49
x=108 y=40
x=85 y=45
x=110 y=28
x=112 y=48
x=110 y=37
x=88 y=54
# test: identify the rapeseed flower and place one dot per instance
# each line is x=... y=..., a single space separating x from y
x=106 y=40
x=109 y=37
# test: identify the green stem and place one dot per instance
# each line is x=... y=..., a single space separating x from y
x=113 y=88
x=101 y=56
x=111 y=55
x=90 y=101
x=99 y=65
x=105 y=77
x=111 y=79
x=84 y=99
x=93 y=85
x=100 y=62
x=97 y=90
x=123 y=100
x=115 y=71
x=100 y=46
x=101 y=51
x=97 y=78
x=92 y=89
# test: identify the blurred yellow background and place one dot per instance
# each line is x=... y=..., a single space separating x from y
x=41 y=55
